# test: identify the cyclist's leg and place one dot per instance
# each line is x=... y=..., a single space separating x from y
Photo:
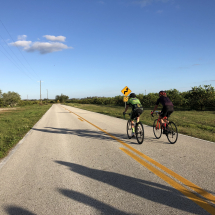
x=132 y=121
x=170 y=110
x=138 y=113
x=161 y=116
x=163 y=121
x=167 y=112
x=132 y=124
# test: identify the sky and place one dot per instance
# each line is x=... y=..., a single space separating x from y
x=85 y=48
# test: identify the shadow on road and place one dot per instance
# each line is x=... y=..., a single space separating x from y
x=155 y=192
x=87 y=200
x=96 y=134
x=15 y=210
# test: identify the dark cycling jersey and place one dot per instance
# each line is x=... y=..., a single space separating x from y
x=165 y=101
x=135 y=104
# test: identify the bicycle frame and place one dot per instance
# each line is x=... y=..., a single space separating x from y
x=159 y=120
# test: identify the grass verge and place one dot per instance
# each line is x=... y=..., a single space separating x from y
x=14 y=124
x=200 y=124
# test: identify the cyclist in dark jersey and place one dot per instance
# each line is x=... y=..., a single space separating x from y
x=167 y=108
x=137 y=109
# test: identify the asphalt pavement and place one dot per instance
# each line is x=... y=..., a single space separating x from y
x=75 y=161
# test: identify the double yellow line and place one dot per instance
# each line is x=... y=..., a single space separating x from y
x=202 y=202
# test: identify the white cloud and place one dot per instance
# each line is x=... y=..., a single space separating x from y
x=54 y=38
x=22 y=37
x=21 y=43
x=47 y=47
x=42 y=47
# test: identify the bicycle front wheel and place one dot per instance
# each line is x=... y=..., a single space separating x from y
x=129 y=129
x=139 y=130
x=172 y=134
x=157 y=129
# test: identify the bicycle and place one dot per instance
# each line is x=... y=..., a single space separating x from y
x=172 y=131
x=138 y=127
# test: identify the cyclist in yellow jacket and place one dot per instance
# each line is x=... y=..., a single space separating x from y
x=137 y=109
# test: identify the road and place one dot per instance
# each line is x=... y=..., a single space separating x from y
x=75 y=161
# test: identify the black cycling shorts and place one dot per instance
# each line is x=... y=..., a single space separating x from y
x=166 y=111
x=136 y=113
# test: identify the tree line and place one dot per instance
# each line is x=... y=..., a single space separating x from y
x=11 y=99
x=198 y=98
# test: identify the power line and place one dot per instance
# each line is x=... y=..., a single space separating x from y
x=19 y=49
x=13 y=53
x=14 y=63
x=8 y=54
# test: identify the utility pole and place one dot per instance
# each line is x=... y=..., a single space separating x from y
x=40 y=92
x=27 y=97
x=145 y=92
x=47 y=95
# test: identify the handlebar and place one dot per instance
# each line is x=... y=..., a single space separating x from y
x=157 y=113
x=126 y=113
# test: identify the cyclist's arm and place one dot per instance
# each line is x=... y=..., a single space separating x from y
x=156 y=105
x=155 y=108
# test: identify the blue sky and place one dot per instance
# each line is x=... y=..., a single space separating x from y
x=87 y=48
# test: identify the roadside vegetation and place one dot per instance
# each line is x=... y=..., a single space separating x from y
x=200 y=124
x=16 y=122
x=198 y=98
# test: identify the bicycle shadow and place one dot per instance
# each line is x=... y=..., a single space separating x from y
x=100 y=135
x=87 y=133
x=160 y=194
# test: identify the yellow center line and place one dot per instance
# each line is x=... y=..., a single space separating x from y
x=186 y=182
x=173 y=183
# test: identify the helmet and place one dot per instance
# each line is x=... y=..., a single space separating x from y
x=132 y=95
x=162 y=93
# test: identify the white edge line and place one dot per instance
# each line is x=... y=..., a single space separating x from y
x=4 y=161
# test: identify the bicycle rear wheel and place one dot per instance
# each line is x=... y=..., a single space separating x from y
x=129 y=129
x=172 y=134
x=139 y=130
x=157 y=129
